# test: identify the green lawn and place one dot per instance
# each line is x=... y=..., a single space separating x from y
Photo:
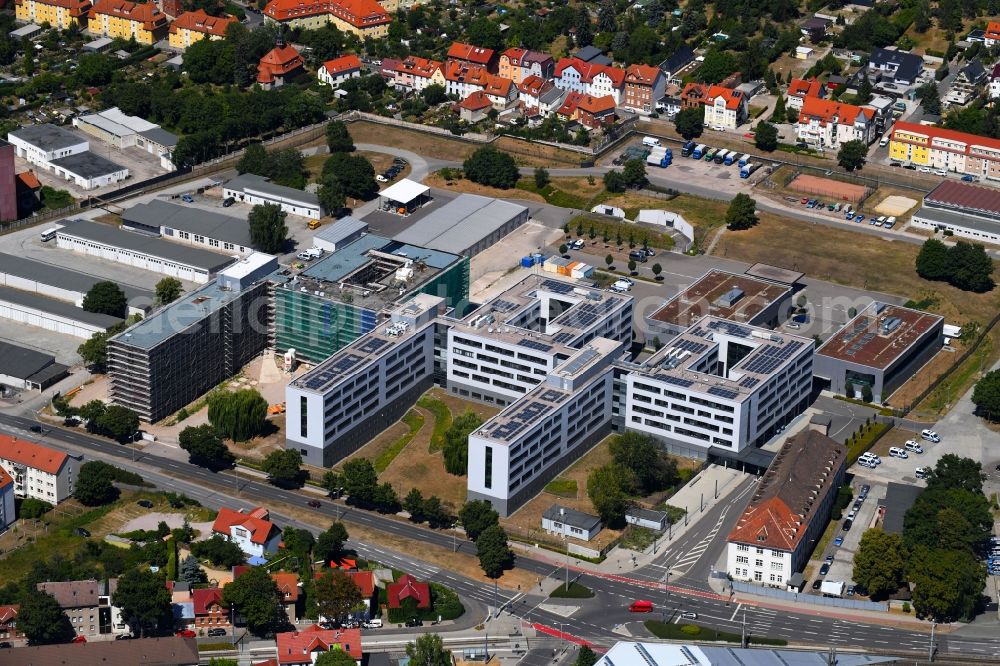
x=575 y=591
x=687 y=632
x=562 y=487
x=416 y=422
x=442 y=419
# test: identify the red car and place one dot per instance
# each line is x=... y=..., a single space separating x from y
x=749 y=135
x=314 y=504
x=79 y=639
x=641 y=606
x=186 y=633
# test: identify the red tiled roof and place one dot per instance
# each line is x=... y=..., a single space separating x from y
x=9 y=612
x=589 y=71
x=514 y=55
x=805 y=88
x=147 y=13
x=417 y=66
x=498 y=86
x=532 y=85
x=199 y=21
x=254 y=522
x=470 y=53
x=992 y=30
x=76 y=7
x=694 y=90
x=5 y=480
x=359 y=13
x=279 y=61
x=407 y=587
x=347 y=63
x=476 y=101
x=31 y=454
x=733 y=97
x=204 y=598
x=827 y=111
x=365 y=580
x=288 y=585
x=596 y=105
x=570 y=104
x=296 y=647
x=950 y=135
x=642 y=74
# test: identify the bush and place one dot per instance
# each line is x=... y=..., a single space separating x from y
x=32 y=508
x=239 y=415
x=489 y=166
x=691 y=629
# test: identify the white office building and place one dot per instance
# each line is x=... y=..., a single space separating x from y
x=257 y=190
x=719 y=387
x=66 y=155
x=333 y=409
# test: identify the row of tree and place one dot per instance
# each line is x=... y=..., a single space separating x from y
x=964 y=265
x=638 y=467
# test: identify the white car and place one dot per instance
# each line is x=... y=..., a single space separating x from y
x=621 y=285
x=896 y=452
x=382 y=179
x=940 y=172
x=911 y=445
x=871 y=457
x=374 y=623
x=577 y=244
x=930 y=436
x=925 y=170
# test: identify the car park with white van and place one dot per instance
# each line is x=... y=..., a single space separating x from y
x=930 y=436
x=896 y=452
x=911 y=445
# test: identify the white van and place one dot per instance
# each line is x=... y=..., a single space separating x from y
x=911 y=445
x=896 y=452
x=650 y=141
x=884 y=141
x=49 y=234
x=374 y=623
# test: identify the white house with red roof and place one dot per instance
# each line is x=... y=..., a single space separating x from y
x=463 y=79
x=473 y=55
x=829 y=124
x=279 y=64
x=302 y=648
x=725 y=108
x=799 y=89
x=789 y=509
x=539 y=94
x=37 y=471
x=335 y=72
x=501 y=92
x=589 y=78
x=413 y=73
x=252 y=531
x=475 y=107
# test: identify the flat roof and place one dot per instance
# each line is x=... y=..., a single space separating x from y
x=899 y=497
x=47 y=137
x=879 y=335
x=627 y=653
x=63 y=278
x=162 y=214
x=965 y=197
x=404 y=191
x=21 y=362
x=30 y=299
x=106 y=124
x=160 y=136
x=774 y=273
x=98 y=43
x=157 y=247
x=739 y=298
x=341 y=229
x=25 y=31
x=956 y=219
x=88 y=165
x=461 y=223
x=249 y=182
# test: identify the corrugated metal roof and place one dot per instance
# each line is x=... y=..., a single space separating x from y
x=62 y=278
x=461 y=223
x=158 y=213
x=20 y=362
x=961 y=195
x=56 y=308
x=343 y=228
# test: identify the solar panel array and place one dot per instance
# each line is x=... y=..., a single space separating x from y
x=328 y=374
x=563 y=338
x=691 y=346
x=556 y=286
x=768 y=358
x=519 y=421
x=586 y=314
x=534 y=344
x=859 y=345
x=749 y=382
x=676 y=381
x=730 y=328
x=551 y=395
x=504 y=306
x=371 y=345
x=728 y=394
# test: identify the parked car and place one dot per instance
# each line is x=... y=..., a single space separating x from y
x=79 y=639
x=82 y=531
x=865 y=489
x=859 y=218
x=228 y=201
x=186 y=633
x=187 y=198
x=124 y=637
x=896 y=452
x=850 y=591
x=911 y=445
x=969 y=178
x=930 y=436
x=922 y=472
x=804 y=201
x=577 y=244
x=145 y=504
x=382 y=179
x=217 y=631
x=839 y=541
x=817 y=584
x=414 y=622
x=847 y=525
x=824 y=570
x=374 y=623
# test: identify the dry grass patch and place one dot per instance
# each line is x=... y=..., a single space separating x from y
x=918 y=383
x=467 y=186
x=580 y=186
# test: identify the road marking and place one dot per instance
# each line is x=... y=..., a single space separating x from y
x=735 y=611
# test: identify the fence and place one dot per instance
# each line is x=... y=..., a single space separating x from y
x=775 y=593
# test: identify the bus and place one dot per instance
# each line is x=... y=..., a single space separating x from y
x=688 y=147
x=49 y=234
x=698 y=151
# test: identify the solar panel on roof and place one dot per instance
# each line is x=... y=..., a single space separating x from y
x=328 y=374
x=553 y=396
x=563 y=338
x=534 y=344
x=691 y=346
x=556 y=286
x=504 y=306
x=371 y=345
x=729 y=394
x=676 y=381
x=749 y=382
x=730 y=328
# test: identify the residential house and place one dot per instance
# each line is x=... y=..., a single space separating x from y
x=8 y=623
x=568 y=522
x=407 y=587
x=209 y=612
x=7 y=511
x=992 y=36
x=501 y=92
x=165 y=651
x=365 y=582
x=678 y=60
x=967 y=84
x=694 y=96
x=788 y=511
x=725 y=109
x=253 y=532
x=903 y=68
x=538 y=93
x=474 y=56
x=995 y=82
x=593 y=55
x=301 y=648
x=517 y=64
x=946 y=149
x=463 y=79
x=596 y=112
x=335 y=72
x=799 y=89
x=815 y=28
x=37 y=471
x=278 y=65
x=191 y=27
x=589 y=78
x=60 y=14
x=568 y=111
x=365 y=18
x=829 y=124
x=415 y=73
x=87 y=604
x=290 y=590
x=119 y=18
x=643 y=87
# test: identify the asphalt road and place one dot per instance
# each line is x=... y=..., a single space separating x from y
x=594 y=620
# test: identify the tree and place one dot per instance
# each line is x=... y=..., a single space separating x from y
x=434 y=94
x=495 y=556
x=930 y=99
x=332 y=481
x=541 y=177
x=766 y=136
x=335 y=657
x=864 y=89
x=330 y=543
x=778 y=115
x=413 y=504
x=106 y=298
x=94 y=351
x=143 y=599
x=191 y=571
x=690 y=123
x=360 y=481
x=283 y=467
x=563 y=249
x=716 y=66
x=640 y=454
x=456 y=443
x=852 y=154
x=585 y=657
x=476 y=516
x=353 y=174
x=634 y=173
x=657 y=269
x=986 y=395
x=204 y=447
x=255 y=596
x=609 y=260
x=954 y=472
x=742 y=213
x=331 y=195
x=42 y=621
x=93 y=485
x=218 y=550
x=428 y=650
x=970 y=268
x=168 y=290
x=386 y=500
x=95 y=69
x=298 y=542
x=609 y=487
x=879 y=563
x=32 y=508
x=268 y=232
x=336 y=595
x=119 y=423
x=932 y=260
x=489 y=166
x=338 y=139
x=947 y=584
x=435 y=513
x=238 y=415
x=614 y=181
